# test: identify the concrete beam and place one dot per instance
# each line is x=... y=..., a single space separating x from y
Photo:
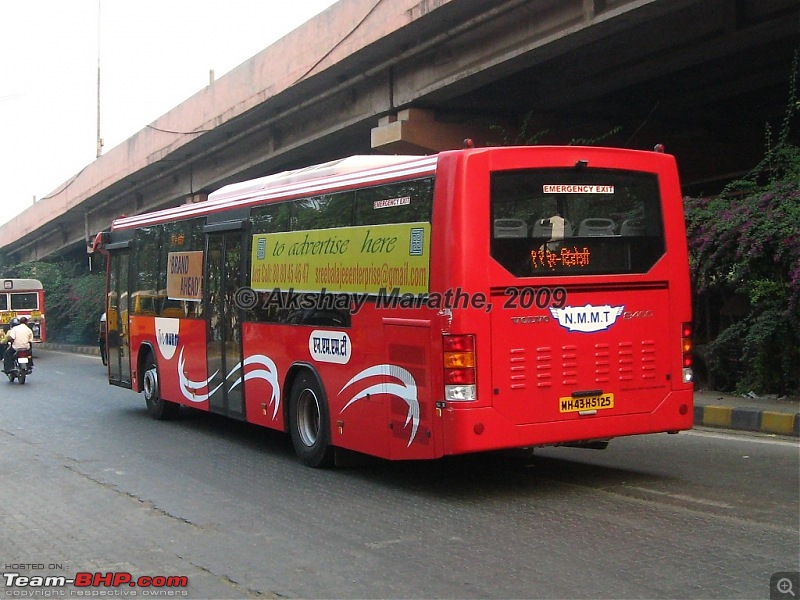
x=416 y=131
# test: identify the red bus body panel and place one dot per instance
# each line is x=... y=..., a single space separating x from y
x=527 y=360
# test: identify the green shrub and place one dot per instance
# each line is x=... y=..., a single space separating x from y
x=746 y=243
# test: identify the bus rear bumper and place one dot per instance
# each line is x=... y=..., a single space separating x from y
x=481 y=429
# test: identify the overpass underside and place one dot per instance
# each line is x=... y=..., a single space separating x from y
x=408 y=76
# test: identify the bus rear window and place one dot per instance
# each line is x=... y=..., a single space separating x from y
x=575 y=221
x=24 y=301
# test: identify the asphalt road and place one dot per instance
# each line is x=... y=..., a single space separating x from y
x=89 y=483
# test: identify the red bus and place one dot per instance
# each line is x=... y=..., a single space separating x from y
x=415 y=307
x=23 y=298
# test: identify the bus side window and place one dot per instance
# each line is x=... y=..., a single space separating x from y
x=407 y=202
x=321 y=317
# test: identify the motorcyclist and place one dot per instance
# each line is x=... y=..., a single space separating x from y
x=21 y=338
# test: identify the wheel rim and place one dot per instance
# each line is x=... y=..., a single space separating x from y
x=308 y=417
x=150 y=384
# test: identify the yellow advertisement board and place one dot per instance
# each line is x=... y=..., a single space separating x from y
x=349 y=259
x=185 y=275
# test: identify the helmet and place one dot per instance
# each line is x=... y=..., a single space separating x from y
x=14 y=322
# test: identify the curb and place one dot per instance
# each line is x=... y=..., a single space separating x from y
x=93 y=350
x=748 y=419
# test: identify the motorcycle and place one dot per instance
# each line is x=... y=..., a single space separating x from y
x=22 y=366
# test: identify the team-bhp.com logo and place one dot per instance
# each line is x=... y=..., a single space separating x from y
x=155 y=585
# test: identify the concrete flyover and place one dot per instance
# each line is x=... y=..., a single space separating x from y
x=417 y=76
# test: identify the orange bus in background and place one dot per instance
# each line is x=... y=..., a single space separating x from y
x=416 y=307
x=23 y=298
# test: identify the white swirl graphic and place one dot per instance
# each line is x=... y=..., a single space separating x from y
x=190 y=388
x=406 y=391
x=268 y=374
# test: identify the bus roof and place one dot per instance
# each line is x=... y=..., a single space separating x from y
x=11 y=285
x=338 y=174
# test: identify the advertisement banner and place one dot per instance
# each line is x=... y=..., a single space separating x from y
x=349 y=259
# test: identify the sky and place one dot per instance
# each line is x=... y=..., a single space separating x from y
x=153 y=55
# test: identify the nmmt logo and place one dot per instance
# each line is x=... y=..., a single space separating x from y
x=168 y=339
x=587 y=319
x=167 y=336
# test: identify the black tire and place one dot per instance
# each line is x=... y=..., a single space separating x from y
x=309 y=422
x=157 y=407
x=21 y=378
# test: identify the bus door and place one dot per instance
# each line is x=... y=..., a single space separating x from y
x=119 y=364
x=224 y=345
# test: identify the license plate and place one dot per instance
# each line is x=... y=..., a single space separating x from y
x=23 y=361
x=569 y=404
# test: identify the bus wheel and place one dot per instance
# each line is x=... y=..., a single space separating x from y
x=309 y=422
x=158 y=408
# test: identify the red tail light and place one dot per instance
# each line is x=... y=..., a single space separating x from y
x=686 y=352
x=686 y=344
x=459 y=367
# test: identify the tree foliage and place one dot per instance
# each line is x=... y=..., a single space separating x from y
x=745 y=243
